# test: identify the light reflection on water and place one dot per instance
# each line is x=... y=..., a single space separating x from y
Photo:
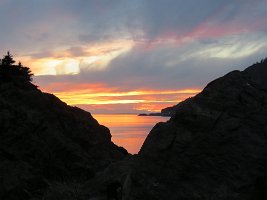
x=129 y=131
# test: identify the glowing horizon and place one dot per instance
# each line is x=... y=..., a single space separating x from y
x=146 y=101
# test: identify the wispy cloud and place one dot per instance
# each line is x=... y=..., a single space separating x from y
x=131 y=46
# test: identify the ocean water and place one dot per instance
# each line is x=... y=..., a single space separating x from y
x=129 y=131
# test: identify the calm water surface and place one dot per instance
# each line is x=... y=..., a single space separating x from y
x=129 y=131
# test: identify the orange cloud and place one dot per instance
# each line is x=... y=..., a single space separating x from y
x=100 y=96
x=60 y=87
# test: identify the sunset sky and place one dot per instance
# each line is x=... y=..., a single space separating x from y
x=132 y=56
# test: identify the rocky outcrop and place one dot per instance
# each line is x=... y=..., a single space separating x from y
x=214 y=147
x=47 y=148
x=169 y=111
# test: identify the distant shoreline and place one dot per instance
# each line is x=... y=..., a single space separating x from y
x=152 y=115
x=136 y=114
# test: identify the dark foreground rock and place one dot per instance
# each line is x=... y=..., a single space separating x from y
x=48 y=149
x=213 y=148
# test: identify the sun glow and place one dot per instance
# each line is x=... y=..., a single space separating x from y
x=67 y=61
x=89 y=97
x=151 y=100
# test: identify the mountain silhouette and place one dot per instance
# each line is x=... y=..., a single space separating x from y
x=47 y=148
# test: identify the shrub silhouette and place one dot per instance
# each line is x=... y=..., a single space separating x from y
x=9 y=71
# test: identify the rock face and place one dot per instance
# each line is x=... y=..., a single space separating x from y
x=169 y=111
x=47 y=148
x=214 y=147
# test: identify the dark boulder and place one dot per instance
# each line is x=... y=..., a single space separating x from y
x=214 y=146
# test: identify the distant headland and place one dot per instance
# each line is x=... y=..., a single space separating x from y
x=165 y=112
x=154 y=114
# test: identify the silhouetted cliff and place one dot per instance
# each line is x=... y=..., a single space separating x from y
x=214 y=146
x=47 y=148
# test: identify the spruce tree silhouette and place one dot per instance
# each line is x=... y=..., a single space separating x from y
x=8 y=60
x=9 y=71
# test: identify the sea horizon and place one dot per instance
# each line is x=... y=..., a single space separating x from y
x=129 y=130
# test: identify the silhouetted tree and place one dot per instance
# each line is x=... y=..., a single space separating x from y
x=10 y=71
x=8 y=59
x=25 y=72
